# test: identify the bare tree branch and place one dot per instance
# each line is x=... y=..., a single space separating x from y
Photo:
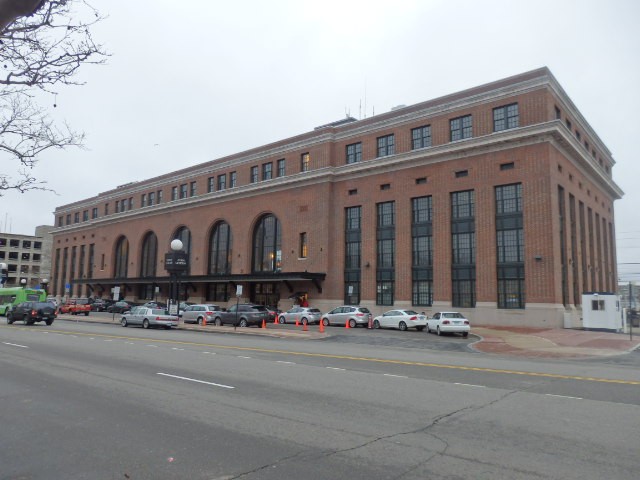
x=43 y=46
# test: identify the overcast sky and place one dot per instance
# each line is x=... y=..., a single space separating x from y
x=194 y=80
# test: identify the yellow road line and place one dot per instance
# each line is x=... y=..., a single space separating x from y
x=359 y=359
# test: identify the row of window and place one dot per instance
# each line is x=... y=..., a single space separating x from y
x=22 y=256
x=13 y=268
x=16 y=243
x=460 y=128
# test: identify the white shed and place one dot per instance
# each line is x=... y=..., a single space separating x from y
x=601 y=311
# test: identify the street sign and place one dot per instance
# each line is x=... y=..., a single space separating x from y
x=238 y=290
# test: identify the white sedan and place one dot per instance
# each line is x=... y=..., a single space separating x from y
x=401 y=319
x=448 y=322
x=148 y=317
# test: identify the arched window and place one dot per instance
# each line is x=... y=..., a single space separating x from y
x=220 y=249
x=121 y=260
x=184 y=235
x=267 y=248
x=149 y=257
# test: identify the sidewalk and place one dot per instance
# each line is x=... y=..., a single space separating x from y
x=553 y=343
x=517 y=341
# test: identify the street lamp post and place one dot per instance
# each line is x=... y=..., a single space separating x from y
x=176 y=263
x=23 y=282
x=44 y=283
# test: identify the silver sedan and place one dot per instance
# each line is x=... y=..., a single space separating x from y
x=149 y=317
x=303 y=315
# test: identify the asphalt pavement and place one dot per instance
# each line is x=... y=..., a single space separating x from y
x=516 y=341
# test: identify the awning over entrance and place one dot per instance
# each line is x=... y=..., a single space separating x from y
x=263 y=277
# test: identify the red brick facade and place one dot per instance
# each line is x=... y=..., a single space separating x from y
x=552 y=153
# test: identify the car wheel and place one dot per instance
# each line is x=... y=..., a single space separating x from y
x=9 y=319
x=124 y=322
x=419 y=328
x=325 y=322
x=438 y=330
x=352 y=323
x=376 y=324
x=218 y=322
x=199 y=320
x=465 y=334
x=305 y=321
x=282 y=320
x=25 y=320
x=402 y=326
x=243 y=322
x=145 y=323
x=49 y=322
x=86 y=314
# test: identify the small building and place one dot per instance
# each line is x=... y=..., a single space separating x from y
x=601 y=311
x=28 y=257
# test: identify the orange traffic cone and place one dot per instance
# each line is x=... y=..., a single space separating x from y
x=321 y=327
x=297 y=323
x=204 y=322
x=304 y=326
x=346 y=325
x=264 y=324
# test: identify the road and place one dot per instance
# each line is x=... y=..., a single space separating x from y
x=91 y=401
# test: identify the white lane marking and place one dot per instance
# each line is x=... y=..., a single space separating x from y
x=195 y=380
x=335 y=368
x=109 y=340
x=15 y=345
x=287 y=363
x=154 y=346
x=470 y=385
x=397 y=376
x=210 y=353
x=176 y=348
x=240 y=356
x=563 y=396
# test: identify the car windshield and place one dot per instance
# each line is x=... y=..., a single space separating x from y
x=410 y=312
x=260 y=308
x=314 y=310
x=452 y=315
x=43 y=305
x=157 y=311
x=364 y=310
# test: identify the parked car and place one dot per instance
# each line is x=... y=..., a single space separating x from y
x=155 y=305
x=119 y=307
x=199 y=313
x=76 y=306
x=448 y=322
x=303 y=315
x=347 y=313
x=243 y=315
x=401 y=319
x=99 y=305
x=273 y=314
x=31 y=312
x=149 y=317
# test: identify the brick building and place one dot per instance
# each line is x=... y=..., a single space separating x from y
x=496 y=201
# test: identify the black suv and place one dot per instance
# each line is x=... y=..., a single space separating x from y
x=31 y=312
x=243 y=315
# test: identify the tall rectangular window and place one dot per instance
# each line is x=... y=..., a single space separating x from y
x=353 y=248
x=174 y=193
x=222 y=182
x=305 y=161
x=386 y=251
x=152 y=198
x=76 y=217
x=94 y=212
x=233 y=180
x=211 y=184
x=183 y=190
x=193 y=189
x=510 y=246
x=386 y=145
x=422 y=251
x=267 y=171
x=506 y=117
x=562 y=218
x=461 y=128
x=421 y=137
x=463 y=249
x=302 y=250
x=254 y=174
x=143 y=200
x=281 y=167
x=85 y=215
x=159 y=196
x=354 y=152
